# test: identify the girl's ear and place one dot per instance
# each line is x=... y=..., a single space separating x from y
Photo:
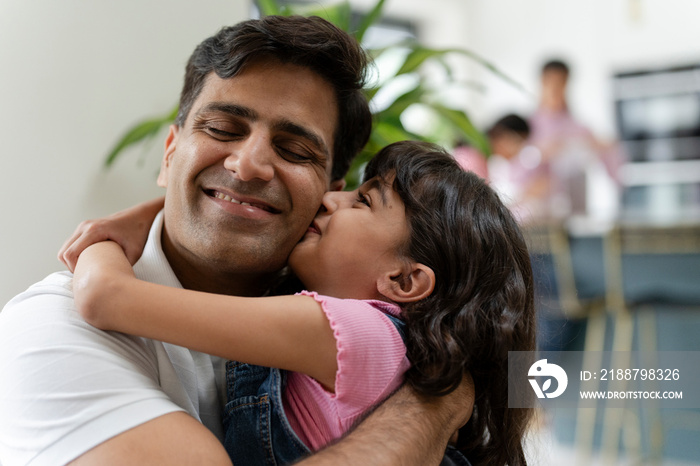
x=409 y=284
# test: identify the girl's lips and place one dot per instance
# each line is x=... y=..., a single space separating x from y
x=313 y=228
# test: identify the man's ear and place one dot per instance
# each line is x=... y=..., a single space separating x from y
x=170 y=143
x=408 y=285
x=337 y=185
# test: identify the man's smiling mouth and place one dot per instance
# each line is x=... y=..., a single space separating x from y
x=227 y=198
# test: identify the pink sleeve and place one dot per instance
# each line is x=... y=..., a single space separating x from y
x=371 y=354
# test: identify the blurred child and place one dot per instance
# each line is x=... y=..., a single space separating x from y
x=507 y=137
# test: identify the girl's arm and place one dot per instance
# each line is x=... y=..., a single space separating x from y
x=129 y=228
x=287 y=332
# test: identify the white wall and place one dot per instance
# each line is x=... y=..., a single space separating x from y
x=73 y=75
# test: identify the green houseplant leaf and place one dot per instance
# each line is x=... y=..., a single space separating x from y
x=141 y=132
x=419 y=55
x=368 y=20
x=268 y=7
x=339 y=14
x=462 y=122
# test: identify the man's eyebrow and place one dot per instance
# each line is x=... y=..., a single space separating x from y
x=230 y=109
x=297 y=130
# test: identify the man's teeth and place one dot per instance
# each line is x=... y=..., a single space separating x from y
x=224 y=197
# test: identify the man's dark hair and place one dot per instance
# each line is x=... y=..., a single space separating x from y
x=310 y=42
x=556 y=65
x=510 y=123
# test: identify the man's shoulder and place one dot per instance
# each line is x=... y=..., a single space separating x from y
x=42 y=308
x=58 y=285
x=56 y=281
x=46 y=312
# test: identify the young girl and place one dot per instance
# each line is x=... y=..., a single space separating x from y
x=421 y=274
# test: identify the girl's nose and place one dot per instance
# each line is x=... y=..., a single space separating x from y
x=334 y=200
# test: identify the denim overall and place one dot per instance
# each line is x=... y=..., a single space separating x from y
x=257 y=431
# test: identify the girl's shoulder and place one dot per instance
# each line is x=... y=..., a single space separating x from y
x=332 y=303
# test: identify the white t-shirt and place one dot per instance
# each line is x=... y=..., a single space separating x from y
x=66 y=387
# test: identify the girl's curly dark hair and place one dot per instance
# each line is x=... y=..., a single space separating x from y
x=482 y=306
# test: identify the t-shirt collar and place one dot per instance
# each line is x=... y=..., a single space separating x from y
x=153 y=266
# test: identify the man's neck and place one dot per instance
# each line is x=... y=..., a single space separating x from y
x=201 y=279
x=195 y=274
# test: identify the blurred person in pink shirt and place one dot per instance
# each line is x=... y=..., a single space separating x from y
x=562 y=151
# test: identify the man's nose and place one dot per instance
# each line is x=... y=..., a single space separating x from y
x=252 y=158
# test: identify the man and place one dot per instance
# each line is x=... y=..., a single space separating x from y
x=271 y=114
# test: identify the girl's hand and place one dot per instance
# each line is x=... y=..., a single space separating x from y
x=128 y=228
